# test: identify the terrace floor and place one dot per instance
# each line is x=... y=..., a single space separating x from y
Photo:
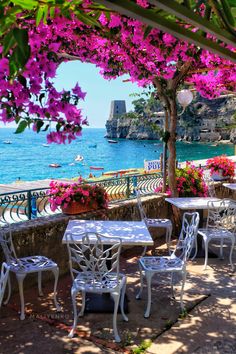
x=208 y=327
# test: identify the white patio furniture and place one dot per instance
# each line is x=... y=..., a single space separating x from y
x=3 y=280
x=175 y=263
x=26 y=265
x=221 y=225
x=210 y=184
x=231 y=186
x=94 y=268
x=154 y=222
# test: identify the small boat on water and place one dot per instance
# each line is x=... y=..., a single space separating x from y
x=54 y=165
x=79 y=158
x=112 y=141
x=46 y=145
x=96 y=168
x=7 y=142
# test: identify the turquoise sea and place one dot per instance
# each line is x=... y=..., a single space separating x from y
x=28 y=159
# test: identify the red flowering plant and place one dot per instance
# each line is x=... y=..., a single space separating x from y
x=189 y=181
x=221 y=165
x=61 y=194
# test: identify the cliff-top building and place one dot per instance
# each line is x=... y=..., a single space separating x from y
x=118 y=108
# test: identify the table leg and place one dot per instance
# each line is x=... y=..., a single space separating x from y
x=200 y=249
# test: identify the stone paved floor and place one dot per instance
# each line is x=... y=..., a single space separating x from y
x=210 y=326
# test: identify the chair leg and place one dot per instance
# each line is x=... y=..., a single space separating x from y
x=9 y=290
x=231 y=252
x=20 y=278
x=73 y=297
x=221 y=248
x=122 y=298
x=206 y=253
x=116 y=298
x=182 y=289
x=172 y=287
x=196 y=249
x=144 y=251
x=149 y=291
x=168 y=237
x=81 y=313
x=138 y=296
x=40 y=283
x=56 y=275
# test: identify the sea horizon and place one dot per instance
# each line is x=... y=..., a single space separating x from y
x=28 y=156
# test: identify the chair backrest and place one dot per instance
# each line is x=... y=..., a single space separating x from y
x=140 y=206
x=221 y=214
x=95 y=256
x=7 y=244
x=3 y=280
x=210 y=184
x=187 y=236
x=228 y=217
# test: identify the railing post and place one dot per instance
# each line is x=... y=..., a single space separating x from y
x=127 y=187
x=33 y=207
x=135 y=183
x=29 y=205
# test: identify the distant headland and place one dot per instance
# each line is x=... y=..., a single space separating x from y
x=204 y=120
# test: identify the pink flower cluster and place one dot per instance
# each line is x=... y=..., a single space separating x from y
x=223 y=164
x=119 y=47
x=190 y=182
x=63 y=193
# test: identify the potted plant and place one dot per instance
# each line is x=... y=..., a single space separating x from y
x=75 y=198
x=221 y=167
x=189 y=181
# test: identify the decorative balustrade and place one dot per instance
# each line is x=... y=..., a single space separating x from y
x=29 y=204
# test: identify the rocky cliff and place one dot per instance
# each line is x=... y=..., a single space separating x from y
x=205 y=120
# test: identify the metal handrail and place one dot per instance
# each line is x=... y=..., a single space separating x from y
x=30 y=204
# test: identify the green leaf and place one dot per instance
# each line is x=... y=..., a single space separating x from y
x=39 y=125
x=46 y=128
x=147 y=31
x=39 y=15
x=21 y=127
x=21 y=53
x=227 y=12
x=22 y=80
x=26 y=4
x=21 y=36
x=87 y=20
x=42 y=95
x=8 y=42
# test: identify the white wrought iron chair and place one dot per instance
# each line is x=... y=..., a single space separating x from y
x=26 y=265
x=221 y=225
x=159 y=223
x=3 y=280
x=209 y=181
x=175 y=263
x=94 y=266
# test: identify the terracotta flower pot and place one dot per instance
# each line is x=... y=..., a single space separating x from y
x=77 y=208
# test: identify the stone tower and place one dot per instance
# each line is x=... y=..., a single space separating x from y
x=117 y=108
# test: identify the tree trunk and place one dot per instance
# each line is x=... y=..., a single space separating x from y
x=172 y=147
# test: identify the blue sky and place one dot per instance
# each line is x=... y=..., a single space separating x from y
x=100 y=92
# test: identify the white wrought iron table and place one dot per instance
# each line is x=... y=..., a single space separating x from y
x=231 y=186
x=132 y=233
x=190 y=204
